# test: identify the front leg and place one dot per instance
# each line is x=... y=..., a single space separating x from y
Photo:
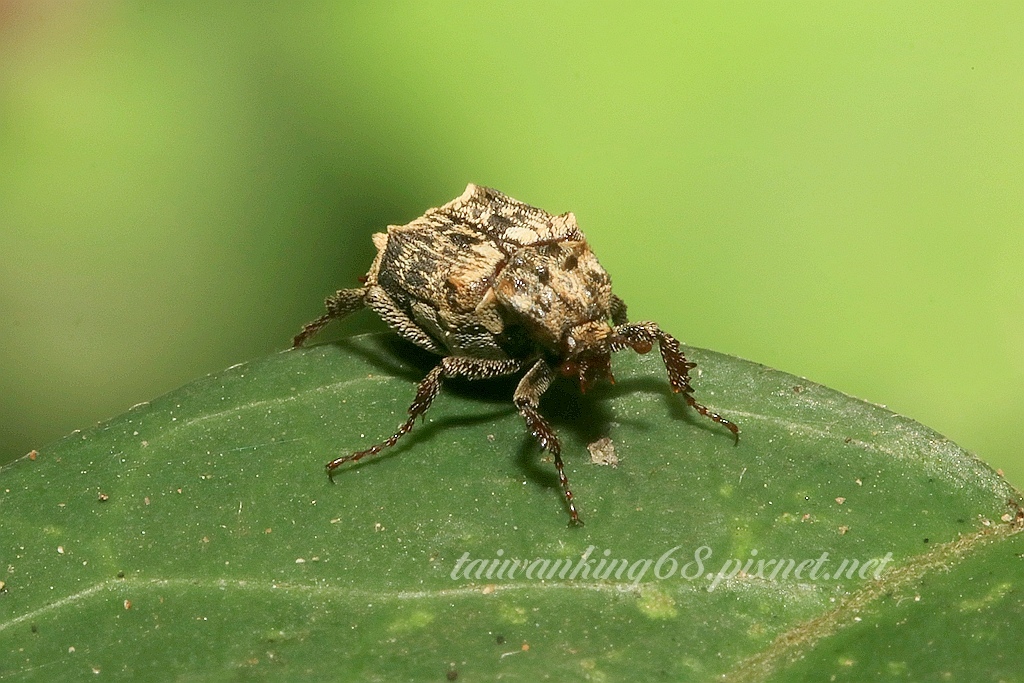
x=527 y=400
x=452 y=366
x=641 y=336
x=618 y=311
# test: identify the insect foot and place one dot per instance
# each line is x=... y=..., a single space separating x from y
x=496 y=287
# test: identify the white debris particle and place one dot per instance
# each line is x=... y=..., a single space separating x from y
x=602 y=452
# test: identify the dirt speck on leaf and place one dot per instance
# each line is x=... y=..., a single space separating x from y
x=602 y=452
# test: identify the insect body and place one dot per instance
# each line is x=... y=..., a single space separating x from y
x=495 y=287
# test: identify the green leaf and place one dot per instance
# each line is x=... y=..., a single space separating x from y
x=197 y=537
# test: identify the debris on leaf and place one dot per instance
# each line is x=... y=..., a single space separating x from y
x=602 y=452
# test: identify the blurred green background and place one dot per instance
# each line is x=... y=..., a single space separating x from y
x=830 y=188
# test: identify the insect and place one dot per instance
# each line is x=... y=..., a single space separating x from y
x=495 y=286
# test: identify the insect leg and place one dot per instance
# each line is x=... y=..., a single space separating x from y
x=452 y=366
x=640 y=337
x=618 y=310
x=527 y=400
x=339 y=304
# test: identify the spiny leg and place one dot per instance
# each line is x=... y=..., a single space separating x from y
x=618 y=311
x=452 y=366
x=339 y=304
x=527 y=400
x=641 y=336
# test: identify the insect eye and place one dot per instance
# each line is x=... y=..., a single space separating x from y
x=570 y=262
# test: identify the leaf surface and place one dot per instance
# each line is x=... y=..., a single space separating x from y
x=197 y=536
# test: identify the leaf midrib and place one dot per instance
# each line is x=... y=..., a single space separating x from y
x=787 y=646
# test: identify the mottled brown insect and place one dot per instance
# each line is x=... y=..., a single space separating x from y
x=495 y=286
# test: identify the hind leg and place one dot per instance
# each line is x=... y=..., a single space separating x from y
x=339 y=305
